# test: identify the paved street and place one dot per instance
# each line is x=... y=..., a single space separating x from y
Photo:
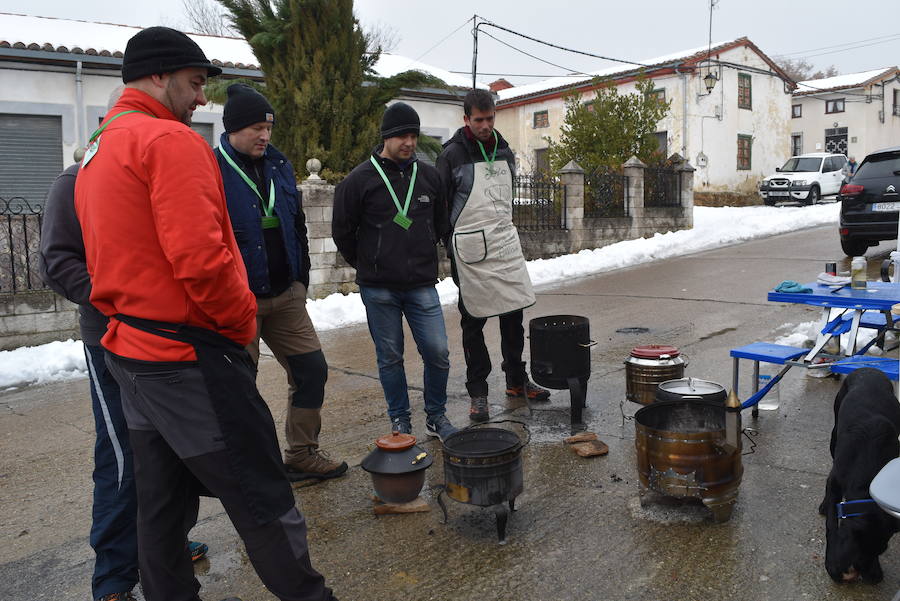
x=580 y=532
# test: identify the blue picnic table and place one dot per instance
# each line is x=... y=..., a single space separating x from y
x=855 y=308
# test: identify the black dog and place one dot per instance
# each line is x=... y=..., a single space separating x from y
x=864 y=439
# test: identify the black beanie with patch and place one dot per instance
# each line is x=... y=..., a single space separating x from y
x=158 y=50
x=399 y=119
x=244 y=107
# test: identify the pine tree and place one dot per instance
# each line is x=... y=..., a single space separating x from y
x=318 y=65
x=606 y=131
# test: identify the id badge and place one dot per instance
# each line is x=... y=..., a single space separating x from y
x=270 y=222
x=90 y=152
x=402 y=220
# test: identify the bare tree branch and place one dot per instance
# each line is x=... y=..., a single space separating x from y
x=207 y=16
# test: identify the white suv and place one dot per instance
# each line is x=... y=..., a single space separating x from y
x=805 y=178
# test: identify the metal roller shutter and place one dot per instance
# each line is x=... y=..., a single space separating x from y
x=30 y=156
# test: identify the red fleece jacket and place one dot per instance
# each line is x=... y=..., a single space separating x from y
x=157 y=236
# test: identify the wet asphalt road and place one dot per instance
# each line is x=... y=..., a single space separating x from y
x=579 y=532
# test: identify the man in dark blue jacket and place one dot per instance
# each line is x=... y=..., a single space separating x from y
x=270 y=228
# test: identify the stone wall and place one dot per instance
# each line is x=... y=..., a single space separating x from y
x=38 y=317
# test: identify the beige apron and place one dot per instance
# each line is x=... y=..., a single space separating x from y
x=493 y=278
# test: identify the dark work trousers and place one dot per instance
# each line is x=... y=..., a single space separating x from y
x=113 y=534
x=178 y=446
x=478 y=361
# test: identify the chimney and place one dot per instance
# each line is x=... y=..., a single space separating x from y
x=500 y=84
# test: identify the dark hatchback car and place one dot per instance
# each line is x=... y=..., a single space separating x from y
x=870 y=202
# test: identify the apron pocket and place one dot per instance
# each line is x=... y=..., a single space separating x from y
x=470 y=247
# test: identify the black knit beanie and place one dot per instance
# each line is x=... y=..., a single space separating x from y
x=399 y=119
x=158 y=50
x=245 y=106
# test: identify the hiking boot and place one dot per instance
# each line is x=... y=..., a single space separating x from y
x=440 y=427
x=314 y=464
x=401 y=425
x=118 y=597
x=529 y=391
x=198 y=550
x=478 y=410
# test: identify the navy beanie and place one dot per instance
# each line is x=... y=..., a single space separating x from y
x=399 y=119
x=158 y=50
x=244 y=107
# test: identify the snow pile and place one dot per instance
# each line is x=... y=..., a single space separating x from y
x=713 y=228
x=41 y=364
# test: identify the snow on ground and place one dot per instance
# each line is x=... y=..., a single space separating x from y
x=713 y=228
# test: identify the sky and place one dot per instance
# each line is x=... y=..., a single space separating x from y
x=825 y=32
x=713 y=228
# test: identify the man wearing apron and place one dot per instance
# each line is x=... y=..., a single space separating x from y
x=477 y=169
x=270 y=228
x=167 y=271
x=389 y=214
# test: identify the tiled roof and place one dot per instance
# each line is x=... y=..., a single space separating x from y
x=843 y=82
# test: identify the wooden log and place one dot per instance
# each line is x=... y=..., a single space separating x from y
x=417 y=505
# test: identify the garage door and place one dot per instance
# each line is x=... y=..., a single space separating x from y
x=30 y=155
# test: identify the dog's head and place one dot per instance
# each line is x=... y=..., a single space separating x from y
x=854 y=544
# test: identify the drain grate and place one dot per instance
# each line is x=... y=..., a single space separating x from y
x=632 y=330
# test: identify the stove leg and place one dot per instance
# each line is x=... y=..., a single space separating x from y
x=440 y=500
x=502 y=516
x=512 y=504
x=722 y=513
x=577 y=394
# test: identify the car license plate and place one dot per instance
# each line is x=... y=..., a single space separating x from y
x=779 y=193
x=886 y=206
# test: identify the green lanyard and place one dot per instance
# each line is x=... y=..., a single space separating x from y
x=400 y=218
x=489 y=161
x=268 y=220
x=94 y=142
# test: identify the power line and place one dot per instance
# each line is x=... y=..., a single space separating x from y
x=785 y=54
x=544 y=75
x=572 y=71
x=442 y=40
x=485 y=22
x=850 y=48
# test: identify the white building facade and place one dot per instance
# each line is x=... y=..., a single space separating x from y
x=733 y=135
x=853 y=114
x=56 y=76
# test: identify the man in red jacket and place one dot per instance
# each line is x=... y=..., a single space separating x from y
x=166 y=269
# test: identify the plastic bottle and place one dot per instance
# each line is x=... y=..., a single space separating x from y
x=772 y=400
x=858 y=272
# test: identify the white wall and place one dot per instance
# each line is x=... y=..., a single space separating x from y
x=27 y=89
x=865 y=130
x=438 y=118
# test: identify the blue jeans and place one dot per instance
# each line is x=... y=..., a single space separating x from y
x=113 y=529
x=422 y=308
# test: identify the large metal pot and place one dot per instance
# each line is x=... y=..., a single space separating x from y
x=483 y=466
x=649 y=365
x=397 y=466
x=682 y=451
x=691 y=388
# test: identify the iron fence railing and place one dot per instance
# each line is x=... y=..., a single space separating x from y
x=606 y=194
x=662 y=187
x=20 y=245
x=539 y=203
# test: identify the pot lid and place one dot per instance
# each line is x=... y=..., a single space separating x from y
x=395 y=441
x=654 y=351
x=410 y=459
x=691 y=386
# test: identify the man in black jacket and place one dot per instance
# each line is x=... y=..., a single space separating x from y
x=477 y=170
x=388 y=215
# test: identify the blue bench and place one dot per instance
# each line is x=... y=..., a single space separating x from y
x=888 y=365
x=761 y=352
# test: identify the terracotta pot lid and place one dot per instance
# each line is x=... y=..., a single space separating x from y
x=396 y=442
x=654 y=351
